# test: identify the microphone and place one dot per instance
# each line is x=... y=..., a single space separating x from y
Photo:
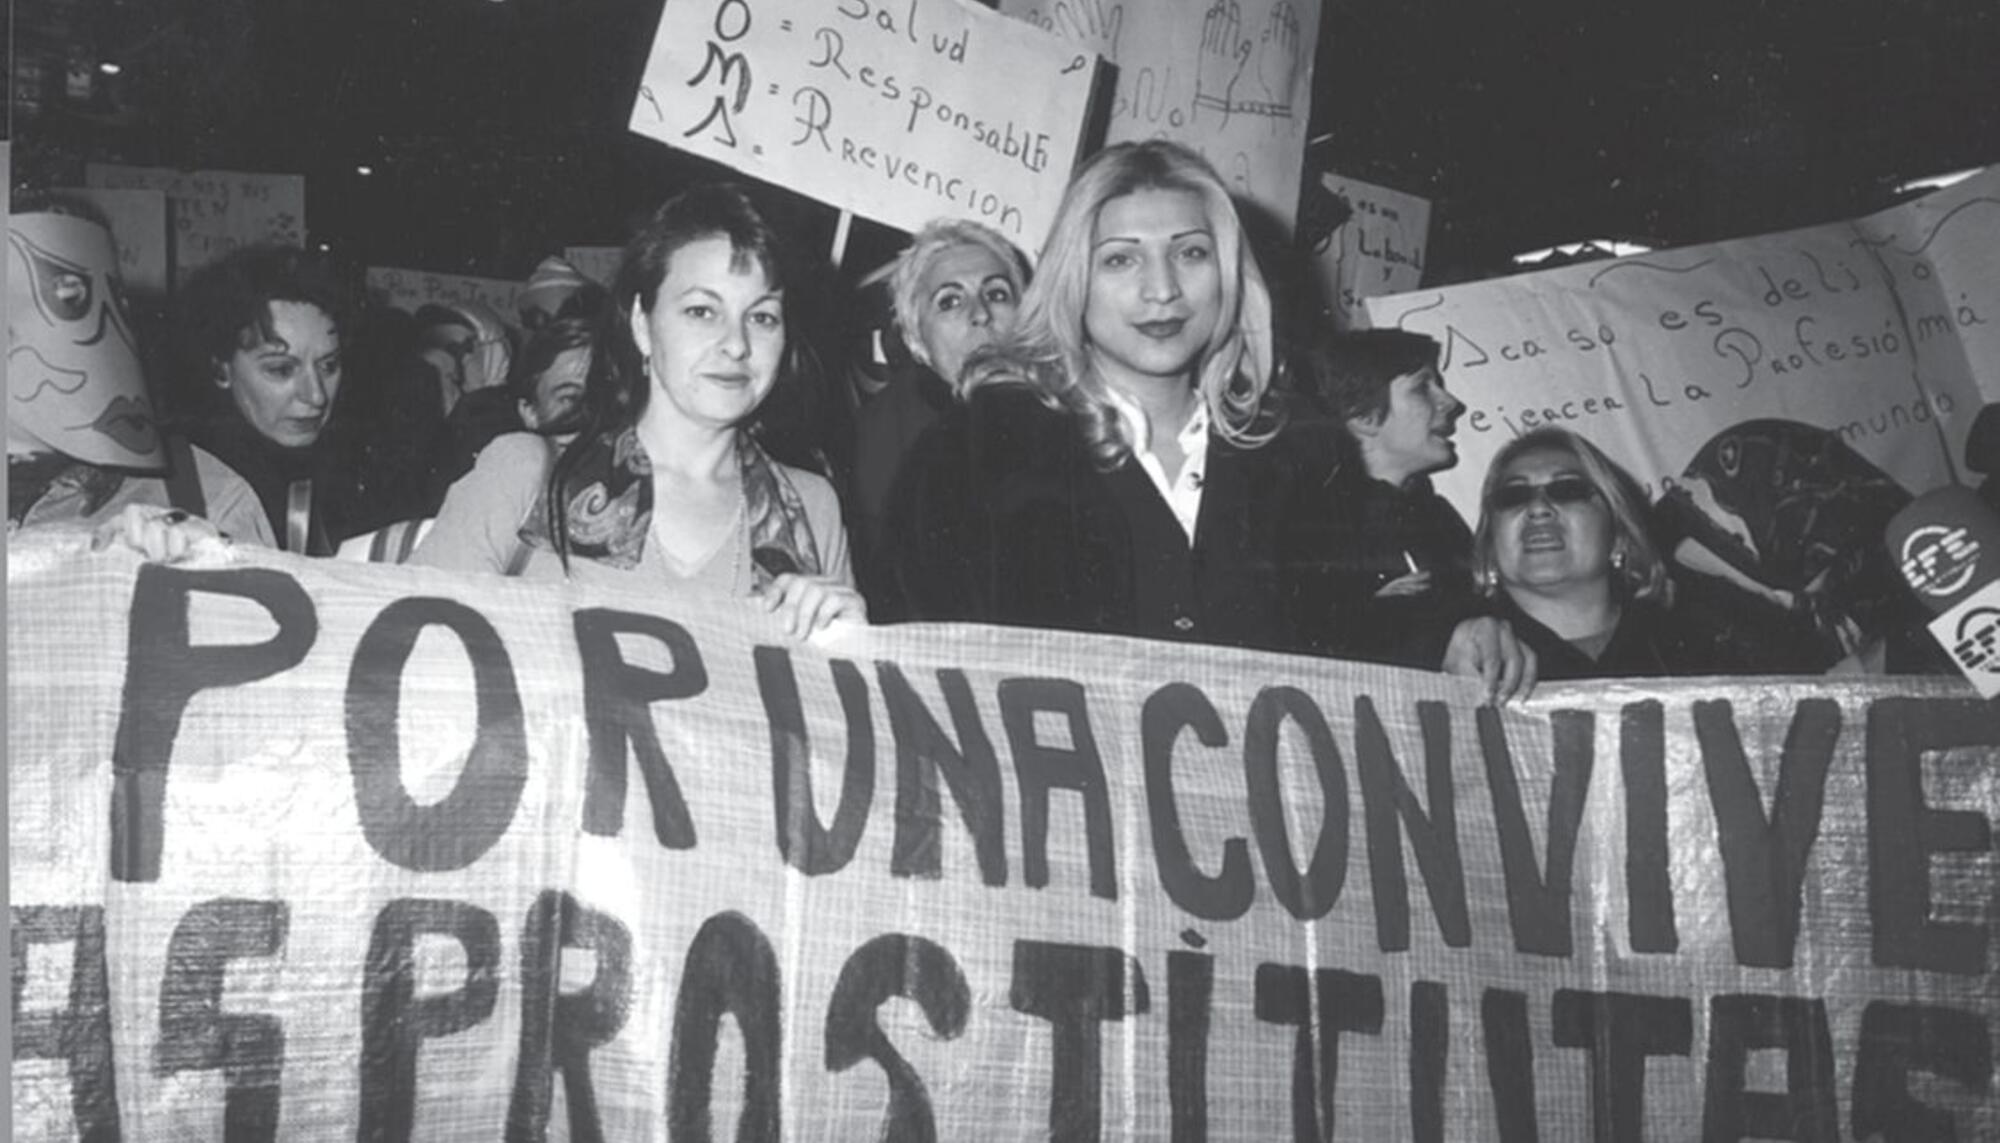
x=1946 y=546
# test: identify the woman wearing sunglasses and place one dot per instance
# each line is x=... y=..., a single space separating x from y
x=1562 y=550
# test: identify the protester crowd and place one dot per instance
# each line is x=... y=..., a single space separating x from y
x=1124 y=441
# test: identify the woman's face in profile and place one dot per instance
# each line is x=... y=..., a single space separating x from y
x=1551 y=527
x=1155 y=294
x=714 y=337
x=284 y=387
x=965 y=298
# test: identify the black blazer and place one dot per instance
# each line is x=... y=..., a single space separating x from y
x=1001 y=516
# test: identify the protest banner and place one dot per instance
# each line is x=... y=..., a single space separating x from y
x=323 y=850
x=1376 y=251
x=411 y=289
x=1880 y=332
x=214 y=212
x=1230 y=78
x=899 y=110
x=138 y=221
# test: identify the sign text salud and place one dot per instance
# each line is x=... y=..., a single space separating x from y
x=901 y=111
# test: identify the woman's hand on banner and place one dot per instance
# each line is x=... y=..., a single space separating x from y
x=809 y=604
x=1487 y=648
x=164 y=535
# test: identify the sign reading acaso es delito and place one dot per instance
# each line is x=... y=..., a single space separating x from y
x=902 y=111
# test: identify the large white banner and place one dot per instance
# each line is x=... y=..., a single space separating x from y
x=899 y=110
x=1881 y=336
x=1230 y=78
x=317 y=850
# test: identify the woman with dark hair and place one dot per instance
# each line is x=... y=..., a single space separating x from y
x=665 y=481
x=543 y=392
x=263 y=333
x=1382 y=562
x=1563 y=550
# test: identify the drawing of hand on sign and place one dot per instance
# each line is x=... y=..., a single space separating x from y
x=1278 y=62
x=1224 y=54
x=1092 y=23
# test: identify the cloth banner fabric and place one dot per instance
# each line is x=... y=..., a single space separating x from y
x=321 y=850
x=1883 y=332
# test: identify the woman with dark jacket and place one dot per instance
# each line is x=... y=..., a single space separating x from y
x=263 y=331
x=1562 y=550
x=1382 y=564
x=1104 y=473
x=1115 y=466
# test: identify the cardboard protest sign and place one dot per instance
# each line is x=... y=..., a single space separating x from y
x=139 y=226
x=215 y=212
x=901 y=111
x=323 y=850
x=1230 y=78
x=411 y=289
x=1377 y=251
x=1863 y=332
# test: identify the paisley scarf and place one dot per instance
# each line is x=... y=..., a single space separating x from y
x=610 y=509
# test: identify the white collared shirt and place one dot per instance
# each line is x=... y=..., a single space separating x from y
x=1183 y=492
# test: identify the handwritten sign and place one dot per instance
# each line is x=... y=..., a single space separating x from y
x=598 y=263
x=309 y=850
x=1867 y=329
x=899 y=110
x=410 y=289
x=215 y=212
x=1230 y=78
x=139 y=227
x=1377 y=251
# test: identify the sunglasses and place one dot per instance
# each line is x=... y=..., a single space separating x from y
x=1561 y=490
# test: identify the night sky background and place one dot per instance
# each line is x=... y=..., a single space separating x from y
x=496 y=129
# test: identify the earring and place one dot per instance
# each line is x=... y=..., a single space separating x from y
x=1618 y=558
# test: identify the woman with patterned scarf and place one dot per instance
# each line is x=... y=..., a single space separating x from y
x=666 y=483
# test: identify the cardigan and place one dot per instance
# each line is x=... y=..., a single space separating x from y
x=479 y=529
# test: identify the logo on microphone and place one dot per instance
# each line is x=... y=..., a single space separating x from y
x=1939 y=559
x=1977 y=647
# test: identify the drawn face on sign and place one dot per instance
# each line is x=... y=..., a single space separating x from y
x=74 y=385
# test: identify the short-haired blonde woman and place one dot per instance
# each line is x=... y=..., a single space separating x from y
x=1563 y=550
x=953 y=291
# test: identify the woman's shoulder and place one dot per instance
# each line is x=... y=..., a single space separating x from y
x=815 y=490
x=512 y=451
